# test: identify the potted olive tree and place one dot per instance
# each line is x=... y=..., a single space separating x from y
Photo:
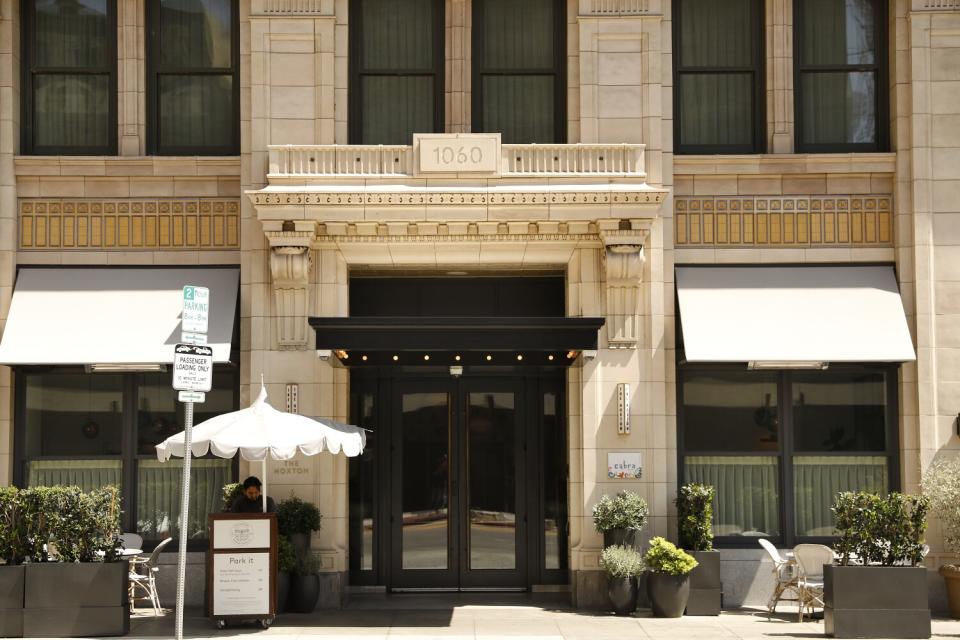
x=286 y=564
x=695 y=526
x=668 y=578
x=11 y=564
x=883 y=595
x=942 y=484
x=620 y=518
x=75 y=583
x=623 y=566
x=305 y=585
x=297 y=519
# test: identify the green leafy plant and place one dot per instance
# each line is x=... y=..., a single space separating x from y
x=880 y=529
x=695 y=516
x=82 y=527
x=665 y=557
x=12 y=534
x=941 y=483
x=627 y=510
x=286 y=556
x=231 y=492
x=307 y=565
x=297 y=516
x=621 y=562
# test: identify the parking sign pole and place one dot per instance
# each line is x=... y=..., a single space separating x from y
x=184 y=513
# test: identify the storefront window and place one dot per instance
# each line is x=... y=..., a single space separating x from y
x=362 y=486
x=734 y=435
x=96 y=429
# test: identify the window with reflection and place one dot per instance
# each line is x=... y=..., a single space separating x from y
x=70 y=54
x=362 y=481
x=193 y=77
x=840 y=78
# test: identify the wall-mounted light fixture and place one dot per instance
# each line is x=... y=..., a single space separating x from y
x=623 y=408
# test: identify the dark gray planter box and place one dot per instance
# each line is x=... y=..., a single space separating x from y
x=705 y=585
x=76 y=599
x=875 y=602
x=11 y=601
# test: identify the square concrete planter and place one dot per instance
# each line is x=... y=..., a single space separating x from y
x=875 y=602
x=11 y=601
x=76 y=599
x=705 y=585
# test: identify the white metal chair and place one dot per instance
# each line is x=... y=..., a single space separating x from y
x=810 y=561
x=131 y=540
x=143 y=578
x=784 y=576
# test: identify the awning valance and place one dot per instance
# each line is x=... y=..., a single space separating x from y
x=792 y=315
x=85 y=316
x=449 y=334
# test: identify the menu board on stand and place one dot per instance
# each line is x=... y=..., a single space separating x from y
x=242 y=568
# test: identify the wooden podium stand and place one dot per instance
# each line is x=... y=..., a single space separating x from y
x=242 y=568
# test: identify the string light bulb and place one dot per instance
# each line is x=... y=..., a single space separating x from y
x=426 y=356
x=489 y=357
x=395 y=358
x=519 y=356
x=364 y=358
x=457 y=358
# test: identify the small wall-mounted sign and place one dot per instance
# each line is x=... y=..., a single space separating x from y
x=458 y=152
x=624 y=465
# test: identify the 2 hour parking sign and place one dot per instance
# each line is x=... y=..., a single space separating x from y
x=192 y=367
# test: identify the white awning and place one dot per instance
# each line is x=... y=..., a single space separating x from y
x=792 y=316
x=86 y=316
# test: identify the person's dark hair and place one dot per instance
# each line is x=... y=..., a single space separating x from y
x=252 y=481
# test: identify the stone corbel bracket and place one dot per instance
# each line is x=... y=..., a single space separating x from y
x=290 y=267
x=623 y=267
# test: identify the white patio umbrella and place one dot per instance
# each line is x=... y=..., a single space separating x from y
x=260 y=432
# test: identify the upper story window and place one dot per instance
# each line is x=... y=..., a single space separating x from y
x=396 y=70
x=519 y=52
x=69 y=77
x=718 y=71
x=193 y=81
x=840 y=75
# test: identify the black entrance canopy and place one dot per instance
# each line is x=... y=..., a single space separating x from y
x=405 y=333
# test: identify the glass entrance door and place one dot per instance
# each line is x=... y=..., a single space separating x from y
x=457 y=492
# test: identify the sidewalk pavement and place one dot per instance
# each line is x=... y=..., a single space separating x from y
x=476 y=617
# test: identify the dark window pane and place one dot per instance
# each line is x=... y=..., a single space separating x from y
x=196 y=34
x=397 y=35
x=396 y=107
x=518 y=35
x=838 y=31
x=362 y=485
x=72 y=33
x=818 y=479
x=715 y=109
x=747 y=492
x=521 y=108
x=73 y=415
x=839 y=411
x=554 y=479
x=838 y=107
x=716 y=33
x=71 y=110
x=730 y=411
x=196 y=111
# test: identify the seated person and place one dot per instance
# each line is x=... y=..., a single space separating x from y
x=251 y=500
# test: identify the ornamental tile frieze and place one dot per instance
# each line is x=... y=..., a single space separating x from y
x=460 y=198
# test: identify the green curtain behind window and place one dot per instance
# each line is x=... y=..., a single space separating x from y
x=519 y=36
x=86 y=474
x=818 y=479
x=716 y=108
x=397 y=70
x=196 y=110
x=747 y=498
x=158 y=496
x=71 y=110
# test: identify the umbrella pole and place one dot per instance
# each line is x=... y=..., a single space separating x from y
x=265 y=481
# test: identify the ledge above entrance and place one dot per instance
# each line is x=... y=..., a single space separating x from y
x=452 y=334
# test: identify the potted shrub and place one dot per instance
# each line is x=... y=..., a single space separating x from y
x=305 y=585
x=695 y=527
x=668 y=578
x=83 y=592
x=623 y=566
x=286 y=564
x=941 y=484
x=884 y=595
x=297 y=519
x=620 y=518
x=11 y=564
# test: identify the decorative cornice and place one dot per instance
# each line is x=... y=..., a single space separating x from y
x=583 y=237
x=459 y=198
x=620 y=7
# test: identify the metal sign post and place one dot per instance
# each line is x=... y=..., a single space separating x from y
x=192 y=377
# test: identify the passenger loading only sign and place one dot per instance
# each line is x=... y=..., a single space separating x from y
x=192 y=367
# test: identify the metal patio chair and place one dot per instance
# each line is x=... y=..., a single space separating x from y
x=143 y=580
x=784 y=575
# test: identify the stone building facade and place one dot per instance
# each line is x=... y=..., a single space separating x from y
x=629 y=185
